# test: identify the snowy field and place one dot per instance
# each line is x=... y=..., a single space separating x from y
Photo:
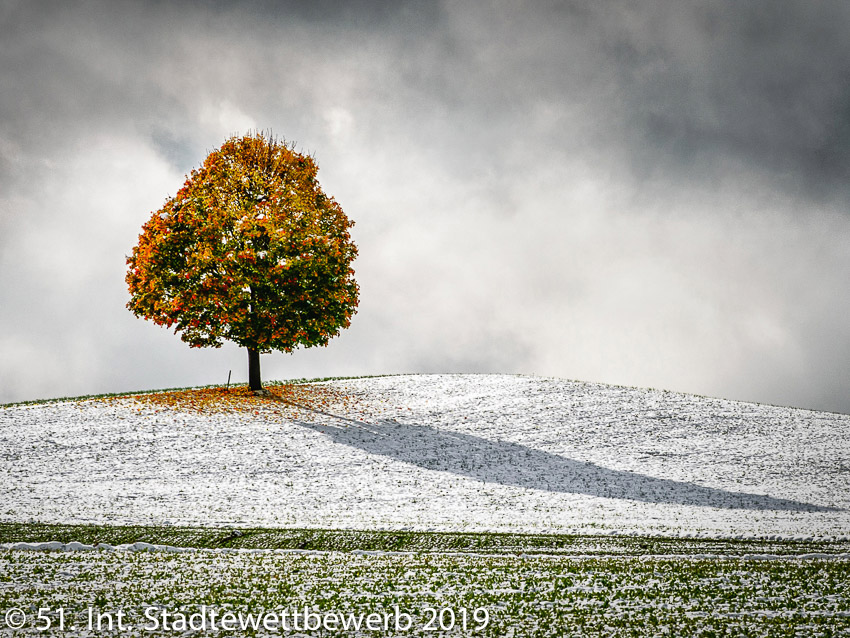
x=438 y=452
x=81 y=593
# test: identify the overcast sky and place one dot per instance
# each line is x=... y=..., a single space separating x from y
x=651 y=194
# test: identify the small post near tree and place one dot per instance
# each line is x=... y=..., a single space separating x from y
x=249 y=250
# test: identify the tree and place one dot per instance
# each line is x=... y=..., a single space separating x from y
x=249 y=250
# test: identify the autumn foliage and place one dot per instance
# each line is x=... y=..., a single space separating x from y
x=281 y=400
x=249 y=250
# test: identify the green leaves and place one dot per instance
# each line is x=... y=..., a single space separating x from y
x=249 y=250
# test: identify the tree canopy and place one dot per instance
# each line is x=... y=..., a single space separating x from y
x=249 y=250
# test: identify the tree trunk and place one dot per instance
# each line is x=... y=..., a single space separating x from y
x=254 y=370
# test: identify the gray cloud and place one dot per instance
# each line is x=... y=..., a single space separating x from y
x=649 y=194
x=758 y=81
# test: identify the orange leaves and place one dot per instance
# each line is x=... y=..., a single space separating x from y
x=286 y=401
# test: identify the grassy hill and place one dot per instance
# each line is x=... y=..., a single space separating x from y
x=496 y=505
x=432 y=452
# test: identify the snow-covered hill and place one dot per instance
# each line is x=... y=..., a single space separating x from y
x=459 y=452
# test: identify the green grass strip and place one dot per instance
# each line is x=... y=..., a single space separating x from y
x=407 y=541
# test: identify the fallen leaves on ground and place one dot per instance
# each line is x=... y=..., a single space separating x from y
x=285 y=400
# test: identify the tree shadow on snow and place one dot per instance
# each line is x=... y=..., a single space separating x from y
x=506 y=463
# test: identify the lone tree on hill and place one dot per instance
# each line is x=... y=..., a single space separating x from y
x=249 y=250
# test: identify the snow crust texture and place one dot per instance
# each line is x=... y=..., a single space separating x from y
x=439 y=452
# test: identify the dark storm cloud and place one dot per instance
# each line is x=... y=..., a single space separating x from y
x=762 y=81
x=678 y=87
x=365 y=15
x=651 y=194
